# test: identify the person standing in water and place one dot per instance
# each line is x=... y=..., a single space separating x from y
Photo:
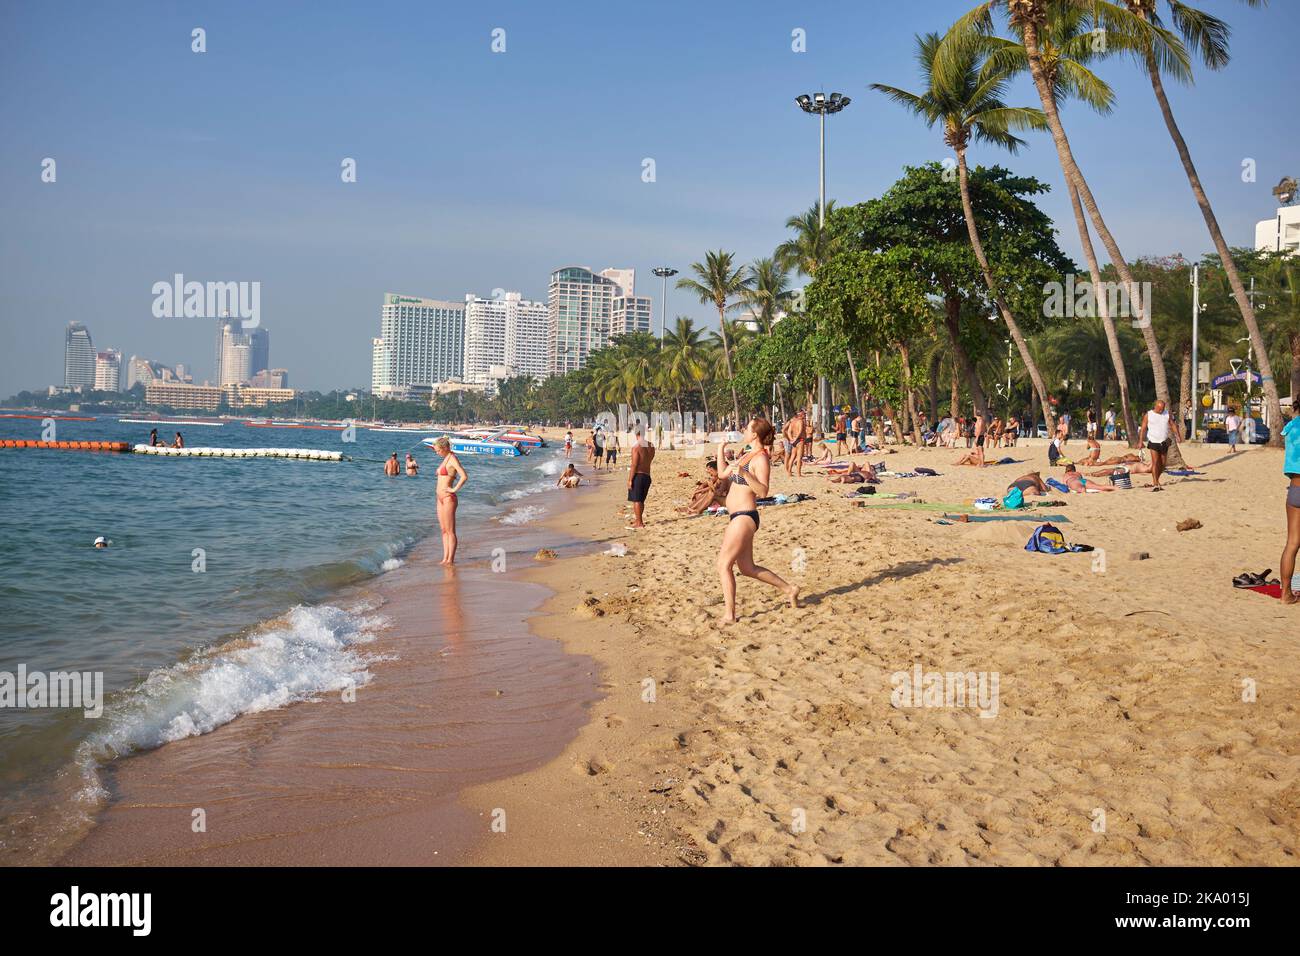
x=750 y=476
x=1157 y=424
x=412 y=466
x=451 y=479
x=391 y=468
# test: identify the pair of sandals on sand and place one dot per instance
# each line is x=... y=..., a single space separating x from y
x=1249 y=580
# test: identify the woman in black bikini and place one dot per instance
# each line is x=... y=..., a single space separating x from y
x=750 y=475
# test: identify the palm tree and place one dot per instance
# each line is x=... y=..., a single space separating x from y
x=1030 y=20
x=965 y=97
x=812 y=243
x=1208 y=36
x=686 y=358
x=721 y=284
x=769 y=290
x=1066 y=46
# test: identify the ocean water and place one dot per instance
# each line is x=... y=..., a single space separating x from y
x=219 y=594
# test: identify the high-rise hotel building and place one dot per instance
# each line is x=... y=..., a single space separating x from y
x=240 y=354
x=421 y=342
x=504 y=336
x=78 y=357
x=586 y=309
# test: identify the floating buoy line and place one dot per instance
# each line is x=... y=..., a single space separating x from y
x=166 y=451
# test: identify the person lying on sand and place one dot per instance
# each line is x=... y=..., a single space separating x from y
x=856 y=475
x=1030 y=484
x=1128 y=458
x=1078 y=484
x=709 y=493
x=1133 y=468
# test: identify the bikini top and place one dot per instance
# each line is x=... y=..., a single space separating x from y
x=739 y=478
x=442 y=470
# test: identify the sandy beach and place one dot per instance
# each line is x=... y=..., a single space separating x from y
x=1145 y=710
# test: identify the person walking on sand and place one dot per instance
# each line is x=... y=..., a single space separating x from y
x=1291 y=468
x=638 y=479
x=451 y=479
x=1157 y=424
x=750 y=475
x=1232 y=426
x=568 y=444
x=980 y=430
x=391 y=468
x=611 y=451
x=841 y=434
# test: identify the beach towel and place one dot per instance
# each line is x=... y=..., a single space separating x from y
x=985 y=504
x=927 y=472
x=1268 y=590
x=1061 y=518
x=1058 y=485
x=1183 y=472
x=1008 y=461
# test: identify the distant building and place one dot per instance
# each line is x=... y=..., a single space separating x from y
x=581 y=313
x=108 y=371
x=209 y=397
x=240 y=354
x=504 y=336
x=78 y=357
x=270 y=378
x=421 y=342
x=1281 y=233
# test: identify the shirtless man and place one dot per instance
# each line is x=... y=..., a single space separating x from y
x=1030 y=484
x=391 y=468
x=841 y=433
x=638 y=479
x=794 y=435
x=1135 y=468
x=569 y=478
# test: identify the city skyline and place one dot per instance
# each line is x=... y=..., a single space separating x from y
x=149 y=185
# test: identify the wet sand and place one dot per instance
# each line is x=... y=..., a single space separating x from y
x=469 y=695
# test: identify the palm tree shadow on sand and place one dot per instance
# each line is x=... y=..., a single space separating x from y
x=904 y=569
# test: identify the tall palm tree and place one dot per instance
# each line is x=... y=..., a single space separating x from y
x=720 y=283
x=811 y=245
x=1066 y=46
x=1208 y=36
x=963 y=94
x=1030 y=19
x=686 y=358
x=769 y=290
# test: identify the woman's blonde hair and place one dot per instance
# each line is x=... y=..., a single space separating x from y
x=443 y=444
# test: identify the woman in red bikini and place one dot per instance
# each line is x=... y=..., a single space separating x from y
x=750 y=474
x=451 y=479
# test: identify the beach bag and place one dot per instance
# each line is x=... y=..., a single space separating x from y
x=1015 y=499
x=1047 y=539
x=1124 y=480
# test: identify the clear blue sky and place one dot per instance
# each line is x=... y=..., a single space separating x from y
x=479 y=170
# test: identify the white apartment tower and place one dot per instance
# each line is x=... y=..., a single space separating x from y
x=586 y=309
x=108 y=371
x=504 y=336
x=421 y=342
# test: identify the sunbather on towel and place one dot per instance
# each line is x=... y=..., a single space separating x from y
x=1128 y=458
x=973 y=457
x=708 y=493
x=1030 y=484
x=1094 y=452
x=856 y=475
x=1077 y=484
x=1133 y=468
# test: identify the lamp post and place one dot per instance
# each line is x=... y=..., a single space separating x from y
x=665 y=273
x=821 y=104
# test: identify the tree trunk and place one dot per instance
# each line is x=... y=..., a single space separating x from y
x=853 y=370
x=910 y=401
x=1185 y=381
x=955 y=397
x=1033 y=415
x=952 y=311
x=1035 y=376
x=1074 y=176
x=1107 y=321
x=1225 y=254
x=731 y=376
x=932 y=388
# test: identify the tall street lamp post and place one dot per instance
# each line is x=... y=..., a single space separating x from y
x=821 y=104
x=665 y=273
